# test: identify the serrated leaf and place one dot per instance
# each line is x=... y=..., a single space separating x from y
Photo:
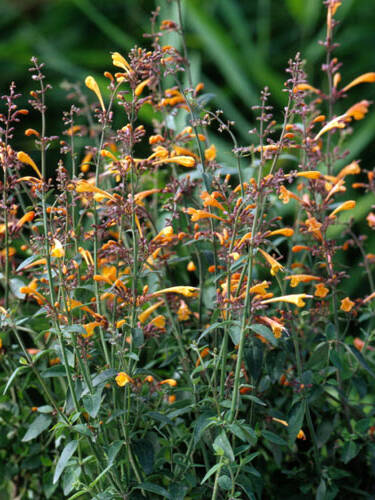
x=65 y=456
x=40 y=424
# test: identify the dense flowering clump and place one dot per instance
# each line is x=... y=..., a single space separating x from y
x=176 y=310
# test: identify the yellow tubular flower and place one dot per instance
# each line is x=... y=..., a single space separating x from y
x=185 y=161
x=260 y=288
x=25 y=158
x=347 y=205
x=296 y=299
x=158 y=321
x=139 y=88
x=147 y=312
x=275 y=266
x=120 y=61
x=186 y=291
x=85 y=187
x=91 y=84
x=57 y=249
x=296 y=279
x=122 y=379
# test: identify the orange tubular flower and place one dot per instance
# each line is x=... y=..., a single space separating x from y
x=204 y=352
x=303 y=87
x=347 y=205
x=90 y=327
x=122 y=379
x=320 y=290
x=309 y=174
x=296 y=279
x=85 y=187
x=296 y=299
x=365 y=78
x=25 y=158
x=351 y=169
x=300 y=435
x=170 y=381
x=299 y=248
x=275 y=266
x=183 y=312
x=209 y=200
x=28 y=217
x=313 y=226
x=91 y=84
x=202 y=214
x=347 y=305
x=287 y=231
x=260 y=288
x=210 y=153
x=139 y=89
x=285 y=195
x=191 y=267
x=276 y=326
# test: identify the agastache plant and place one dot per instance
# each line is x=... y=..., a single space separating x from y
x=185 y=329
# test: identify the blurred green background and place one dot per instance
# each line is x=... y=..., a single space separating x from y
x=236 y=48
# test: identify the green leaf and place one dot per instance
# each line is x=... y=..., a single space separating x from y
x=265 y=332
x=71 y=476
x=235 y=334
x=201 y=424
x=113 y=451
x=225 y=483
x=91 y=402
x=145 y=454
x=222 y=446
x=65 y=456
x=296 y=420
x=360 y=358
x=254 y=358
x=138 y=337
x=103 y=376
x=159 y=417
x=16 y=372
x=349 y=451
x=321 y=491
x=274 y=438
x=154 y=488
x=213 y=469
x=40 y=424
x=54 y=371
